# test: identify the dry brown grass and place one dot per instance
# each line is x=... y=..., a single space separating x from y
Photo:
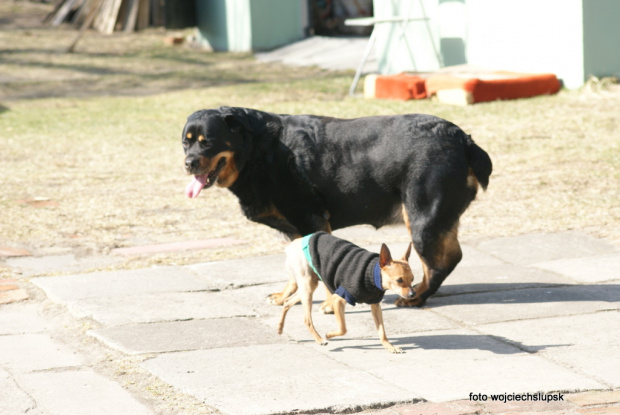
x=95 y=136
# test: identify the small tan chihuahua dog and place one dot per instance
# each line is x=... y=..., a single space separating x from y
x=353 y=274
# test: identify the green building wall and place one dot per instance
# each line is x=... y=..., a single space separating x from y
x=250 y=25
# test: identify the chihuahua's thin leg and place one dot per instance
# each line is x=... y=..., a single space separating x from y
x=288 y=303
x=377 y=315
x=339 y=304
x=306 y=300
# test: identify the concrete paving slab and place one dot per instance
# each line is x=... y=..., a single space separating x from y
x=474 y=257
x=335 y=53
x=359 y=320
x=152 y=308
x=22 y=318
x=39 y=265
x=208 y=347
x=27 y=352
x=597 y=268
x=243 y=272
x=472 y=279
x=256 y=298
x=122 y=283
x=178 y=246
x=449 y=365
x=267 y=269
x=361 y=234
x=80 y=392
x=588 y=344
x=360 y=324
x=186 y=335
x=468 y=343
x=543 y=247
x=527 y=303
x=13 y=400
x=283 y=378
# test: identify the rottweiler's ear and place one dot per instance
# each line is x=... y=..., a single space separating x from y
x=385 y=258
x=237 y=123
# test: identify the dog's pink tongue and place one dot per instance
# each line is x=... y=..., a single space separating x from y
x=195 y=186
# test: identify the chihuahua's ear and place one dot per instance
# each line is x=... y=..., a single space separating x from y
x=406 y=256
x=385 y=258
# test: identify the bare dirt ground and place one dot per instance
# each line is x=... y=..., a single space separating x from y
x=91 y=160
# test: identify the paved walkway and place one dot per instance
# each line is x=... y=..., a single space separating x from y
x=533 y=314
x=334 y=53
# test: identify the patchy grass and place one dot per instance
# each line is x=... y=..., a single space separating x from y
x=91 y=158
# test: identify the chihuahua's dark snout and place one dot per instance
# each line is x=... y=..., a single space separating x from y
x=411 y=293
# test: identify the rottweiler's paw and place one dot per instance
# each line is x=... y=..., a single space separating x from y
x=406 y=302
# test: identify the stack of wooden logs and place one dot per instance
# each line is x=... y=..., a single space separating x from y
x=106 y=16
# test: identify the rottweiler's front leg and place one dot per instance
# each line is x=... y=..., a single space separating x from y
x=439 y=253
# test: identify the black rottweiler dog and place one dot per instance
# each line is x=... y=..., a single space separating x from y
x=304 y=173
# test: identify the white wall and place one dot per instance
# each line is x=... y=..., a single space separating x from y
x=527 y=36
x=516 y=35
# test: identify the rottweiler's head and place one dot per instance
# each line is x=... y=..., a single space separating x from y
x=212 y=140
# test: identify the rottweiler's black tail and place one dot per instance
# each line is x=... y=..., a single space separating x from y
x=479 y=161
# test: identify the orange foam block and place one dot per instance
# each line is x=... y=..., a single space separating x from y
x=401 y=86
x=465 y=89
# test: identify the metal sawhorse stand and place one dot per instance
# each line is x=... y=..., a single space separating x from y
x=369 y=21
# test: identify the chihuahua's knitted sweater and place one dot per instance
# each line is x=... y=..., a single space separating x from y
x=346 y=269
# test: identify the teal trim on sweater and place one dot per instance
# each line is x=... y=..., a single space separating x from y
x=306 y=248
